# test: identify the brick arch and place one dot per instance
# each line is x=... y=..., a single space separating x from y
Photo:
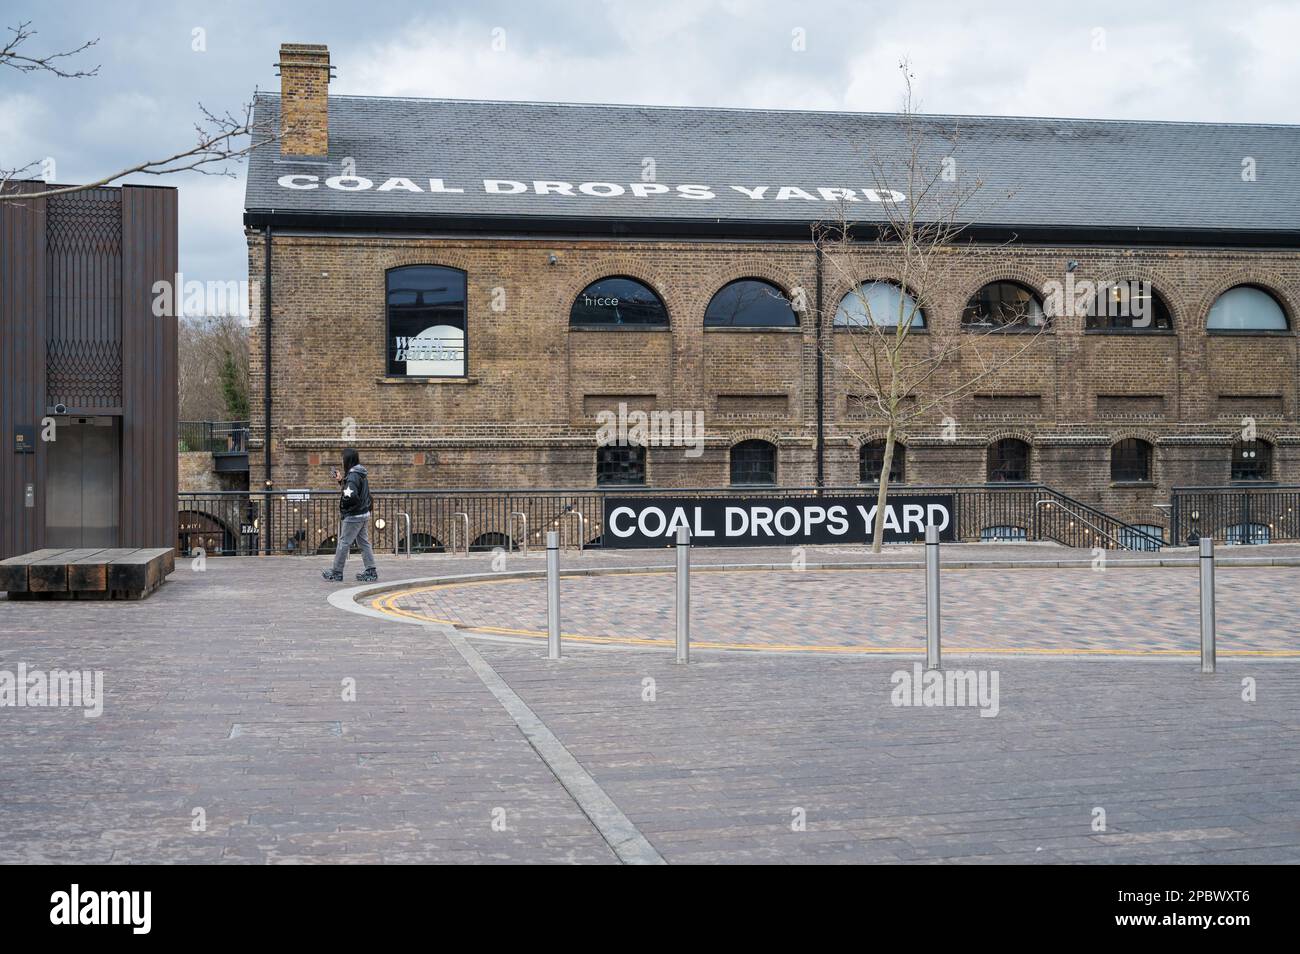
x=1032 y=278
x=753 y=434
x=627 y=266
x=698 y=302
x=442 y=527
x=997 y=435
x=1163 y=283
x=872 y=435
x=1271 y=282
x=1141 y=433
x=417 y=531
x=448 y=258
x=1269 y=435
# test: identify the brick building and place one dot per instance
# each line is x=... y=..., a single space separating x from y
x=440 y=276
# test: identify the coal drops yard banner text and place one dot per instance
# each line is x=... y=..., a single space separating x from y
x=756 y=521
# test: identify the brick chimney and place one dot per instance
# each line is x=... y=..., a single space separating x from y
x=304 y=99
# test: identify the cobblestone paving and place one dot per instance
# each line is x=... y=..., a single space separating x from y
x=224 y=692
x=411 y=771
x=714 y=767
x=1124 y=609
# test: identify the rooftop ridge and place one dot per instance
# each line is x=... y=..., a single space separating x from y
x=453 y=101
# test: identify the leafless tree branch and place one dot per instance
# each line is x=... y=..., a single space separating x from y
x=220 y=138
x=905 y=377
x=10 y=57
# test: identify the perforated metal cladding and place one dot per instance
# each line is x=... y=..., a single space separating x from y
x=84 y=299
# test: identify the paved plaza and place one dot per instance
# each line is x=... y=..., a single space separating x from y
x=1121 y=610
x=229 y=691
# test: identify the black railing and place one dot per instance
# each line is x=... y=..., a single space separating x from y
x=306 y=521
x=1269 y=513
x=214 y=437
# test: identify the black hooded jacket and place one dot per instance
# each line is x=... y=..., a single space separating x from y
x=354 y=500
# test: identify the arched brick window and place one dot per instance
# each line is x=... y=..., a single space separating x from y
x=753 y=463
x=750 y=303
x=1002 y=306
x=871 y=460
x=618 y=301
x=1008 y=460
x=1130 y=461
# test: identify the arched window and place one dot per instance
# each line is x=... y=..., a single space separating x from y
x=1003 y=535
x=750 y=303
x=1008 y=460
x=421 y=543
x=1130 y=460
x=1246 y=308
x=1004 y=305
x=1136 y=536
x=1240 y=534
x=618 y=301
x=1128 y=306
x=426 y=321
x=490 y=541
x=1252 y=460
x=871 y=460
x=878 y=303
x=327 y=546
x=620 y=464
x=753 y=463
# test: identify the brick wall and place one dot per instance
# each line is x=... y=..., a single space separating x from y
x=196 y=473
x=304 y=92
x=524 y=415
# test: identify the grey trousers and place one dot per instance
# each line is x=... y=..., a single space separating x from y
x=354 y=528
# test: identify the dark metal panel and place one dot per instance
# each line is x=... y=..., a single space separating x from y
x=84 y=300
x=149 y=402
x=22 y=366
x=796 y=230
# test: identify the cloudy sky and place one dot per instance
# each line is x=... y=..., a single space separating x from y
x=1176 y=60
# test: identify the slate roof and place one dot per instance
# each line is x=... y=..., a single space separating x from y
x=1049 y=173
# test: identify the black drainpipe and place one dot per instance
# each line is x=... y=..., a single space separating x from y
x=821 y=367
x=266 y=391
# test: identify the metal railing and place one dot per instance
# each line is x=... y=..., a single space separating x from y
x=214 y=437
x=306 y=521
x=1269 y=513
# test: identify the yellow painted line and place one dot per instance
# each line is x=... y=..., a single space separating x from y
x=386 y=604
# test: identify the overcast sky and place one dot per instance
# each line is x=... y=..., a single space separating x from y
x=1179 y=60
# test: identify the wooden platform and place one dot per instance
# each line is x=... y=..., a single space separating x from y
x=126 y=573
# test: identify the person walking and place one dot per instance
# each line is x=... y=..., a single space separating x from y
x=354 y=507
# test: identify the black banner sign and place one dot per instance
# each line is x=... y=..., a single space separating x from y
x=783 y=521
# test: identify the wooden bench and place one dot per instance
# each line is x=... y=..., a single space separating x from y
x=122 y=573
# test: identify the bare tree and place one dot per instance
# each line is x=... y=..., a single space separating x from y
x=220 y=136
x=206 y=346
x=902 y=377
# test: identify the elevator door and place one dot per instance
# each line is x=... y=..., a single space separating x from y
x=83 y=478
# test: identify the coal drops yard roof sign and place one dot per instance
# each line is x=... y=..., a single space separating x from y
x=745 y=521
x=600 y=190
x=453 y=163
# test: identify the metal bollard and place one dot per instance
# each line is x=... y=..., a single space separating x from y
x=683 y=595
x=932 y=660
x=1207 y=604
x=552 y=594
